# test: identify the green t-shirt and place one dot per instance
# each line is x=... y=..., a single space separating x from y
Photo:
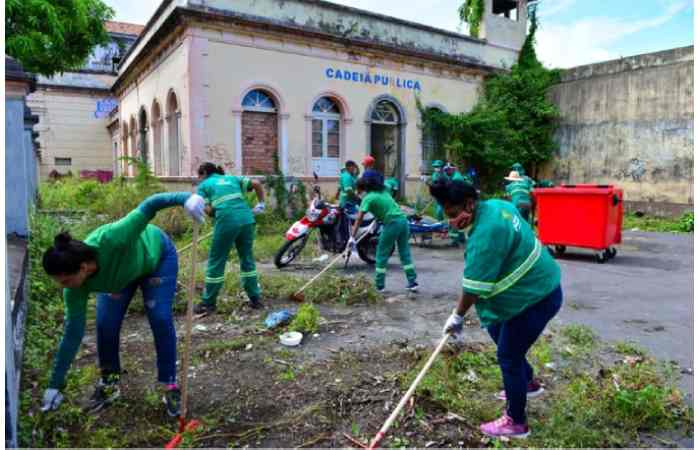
x=519 y=191
x=346 y=185
x=226 y=195
x=127 y=250
x=505 y=264
x=384 y=208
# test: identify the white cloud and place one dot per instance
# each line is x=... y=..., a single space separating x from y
x=587 y=40
x=549 y=8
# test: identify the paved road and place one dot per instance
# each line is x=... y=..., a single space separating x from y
x=645 y=295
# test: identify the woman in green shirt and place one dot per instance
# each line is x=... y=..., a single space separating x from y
x=234 y=224
x=113 y=261
x=395 y=232
x=514 y=284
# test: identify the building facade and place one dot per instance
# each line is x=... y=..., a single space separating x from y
x=74 y=107
x=298 y=87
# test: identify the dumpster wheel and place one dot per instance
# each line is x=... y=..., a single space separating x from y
x=601 y=257
x=611 y=252
x=560 y=249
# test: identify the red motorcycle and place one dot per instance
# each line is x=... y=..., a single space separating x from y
x=334 y=225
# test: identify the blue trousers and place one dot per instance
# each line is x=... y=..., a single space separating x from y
x=158 y=290
x=514 y=338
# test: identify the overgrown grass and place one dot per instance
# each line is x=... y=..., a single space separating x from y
x=306 y=319
x=682 y=224
x=589 y=403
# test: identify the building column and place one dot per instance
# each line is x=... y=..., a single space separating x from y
x=238 y=141
x=284 y=153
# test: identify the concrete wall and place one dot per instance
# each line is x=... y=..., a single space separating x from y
x=629 y=122
x=68 y=128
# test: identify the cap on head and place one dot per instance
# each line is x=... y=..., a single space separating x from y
x=438 y=163
x=518 y=168
x=392 y=183
x=513 y=176
x=368 y=161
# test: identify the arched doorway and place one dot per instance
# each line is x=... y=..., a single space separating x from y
x=143 y=135
x=157 y=129
x=173 y=119
x=259 y=133
x=386 y=139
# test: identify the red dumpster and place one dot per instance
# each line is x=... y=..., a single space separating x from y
x=582 y=215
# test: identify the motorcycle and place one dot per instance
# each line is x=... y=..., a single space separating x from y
x=334 y=225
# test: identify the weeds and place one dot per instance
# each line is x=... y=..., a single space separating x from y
x=682 y=224
x=580 y=336
x=629 y=348
x=306 y=319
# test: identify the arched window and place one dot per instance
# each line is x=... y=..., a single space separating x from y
x=133 y=152
x=259 y=132
x=325 y=129
x=258 y=100
x=174 y=145
x=157 y=127
x=385 y=113
x=432 y=145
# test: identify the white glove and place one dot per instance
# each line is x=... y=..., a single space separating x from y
x=454 y=324
x=351 y=244
x=424 y=178
x=260 y=207
x=194 y=206
x=52 y=399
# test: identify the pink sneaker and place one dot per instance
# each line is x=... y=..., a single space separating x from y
x=505 y=427
x=534 y=389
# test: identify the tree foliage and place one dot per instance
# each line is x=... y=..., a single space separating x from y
x=471 y=12
x=53 y=36
x=513 y=120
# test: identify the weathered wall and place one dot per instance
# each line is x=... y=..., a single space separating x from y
x=68 y=128
x=629 y=122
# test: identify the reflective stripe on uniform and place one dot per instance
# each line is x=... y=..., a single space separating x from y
x=225 y=198
x=477 y=285
x=249 y=274
x=519 y=272
x=409 y=267
x=521 y=191
x=214 y=280
x=380 y=270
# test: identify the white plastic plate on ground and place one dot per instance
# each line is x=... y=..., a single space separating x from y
x=291 y=338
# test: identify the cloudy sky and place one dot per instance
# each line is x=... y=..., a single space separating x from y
x=573 y=32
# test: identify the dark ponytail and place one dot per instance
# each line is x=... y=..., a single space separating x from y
x=66 y=255
x=207 y=168
x=452 y=192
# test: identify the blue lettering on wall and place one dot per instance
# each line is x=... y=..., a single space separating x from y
x=375 y=79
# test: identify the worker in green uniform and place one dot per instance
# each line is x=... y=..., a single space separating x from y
x=395 y=231
x=456 y=236
x=234 y=224
x=346 y=184
x=521 y=171
x=438 y=174
x=519 y=193
x=391 y=185
x=114 y=261
x=515 y=285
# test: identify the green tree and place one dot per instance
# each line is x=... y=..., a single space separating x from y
x=53 y=36
x=513 y=120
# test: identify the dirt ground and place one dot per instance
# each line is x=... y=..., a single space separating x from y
x=252 y=391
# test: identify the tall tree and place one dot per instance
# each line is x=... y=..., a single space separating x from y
x=54 y=36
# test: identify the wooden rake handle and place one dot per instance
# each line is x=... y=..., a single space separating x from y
x=198 y=240
x=408 y=393
x=188 y=324
x=333 y=261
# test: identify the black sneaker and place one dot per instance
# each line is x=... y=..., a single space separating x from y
x=203 y=308
x=171 y=398
x=105 y=394
x=255 y=303
x=412 y=286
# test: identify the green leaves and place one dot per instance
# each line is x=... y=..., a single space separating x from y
x=513 y=120
x=52 y=36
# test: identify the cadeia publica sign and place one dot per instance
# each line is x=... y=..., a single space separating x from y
x=372 y=79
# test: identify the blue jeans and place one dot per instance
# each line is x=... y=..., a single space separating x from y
x=514 y=338
x=158 y=290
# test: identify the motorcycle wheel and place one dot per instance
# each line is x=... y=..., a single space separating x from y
x=290 y=250
x=368 y=250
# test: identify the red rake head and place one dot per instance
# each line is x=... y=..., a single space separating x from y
x=188 y=427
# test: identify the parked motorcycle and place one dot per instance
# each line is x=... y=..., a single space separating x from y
x=334 y=225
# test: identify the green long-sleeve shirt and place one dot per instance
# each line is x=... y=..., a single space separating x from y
x=346 y=186
x=127 y=250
